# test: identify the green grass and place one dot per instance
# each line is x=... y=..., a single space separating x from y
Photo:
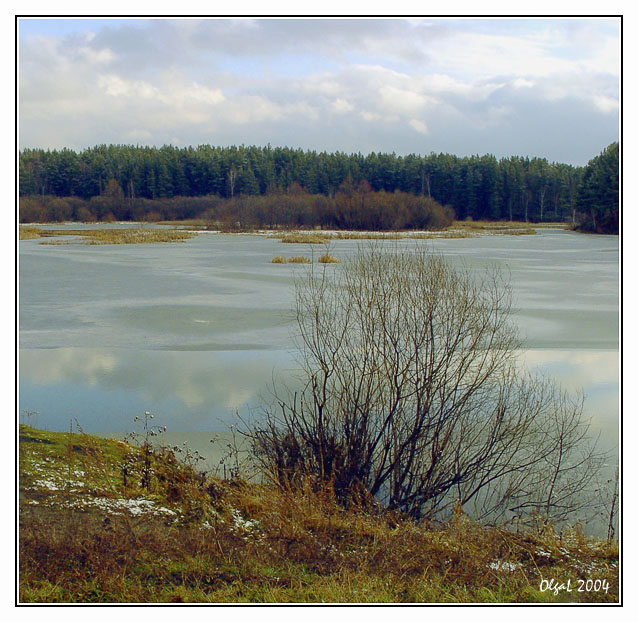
x=86 y=536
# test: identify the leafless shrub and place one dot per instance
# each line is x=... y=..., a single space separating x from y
x=413 y=395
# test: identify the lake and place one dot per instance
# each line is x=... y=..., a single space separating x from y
x=197 y=332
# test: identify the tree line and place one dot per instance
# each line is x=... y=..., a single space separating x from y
x=147 y=182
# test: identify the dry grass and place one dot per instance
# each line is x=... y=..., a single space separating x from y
x=459 y=230
x=366 y=235
x=448 y=235
x=305 y=238
x=328 y=258
x=297 y=259
x=230 y=541
x=117 y=236
x=29 y=233
x=505 y=225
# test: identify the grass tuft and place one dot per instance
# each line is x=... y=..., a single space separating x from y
x=328 y=258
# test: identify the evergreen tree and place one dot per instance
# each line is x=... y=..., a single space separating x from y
x=597 y=206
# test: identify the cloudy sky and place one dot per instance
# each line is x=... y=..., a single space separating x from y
x=537 y=87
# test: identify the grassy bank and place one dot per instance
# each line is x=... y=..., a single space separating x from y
x=89 y=532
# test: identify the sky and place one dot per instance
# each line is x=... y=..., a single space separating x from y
x=518 y=86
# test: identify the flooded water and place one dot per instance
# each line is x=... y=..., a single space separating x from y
x=197 y=332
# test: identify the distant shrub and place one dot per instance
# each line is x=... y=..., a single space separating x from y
x=298 y=259
x=278 y=259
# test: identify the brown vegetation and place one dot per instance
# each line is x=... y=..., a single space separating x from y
x=89 y=533
x=29 y=233
x=300 y=237
x=115 y=236
x=328 y=258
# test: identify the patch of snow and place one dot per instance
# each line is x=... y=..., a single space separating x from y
x=505 y=566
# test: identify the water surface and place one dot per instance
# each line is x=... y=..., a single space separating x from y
x=197 y=332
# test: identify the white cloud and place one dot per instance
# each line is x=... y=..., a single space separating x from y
x=487 y=55
x=606 y=104
x=114 y=86
x=403 y=101
x=419 y=126
x=370 y=116
x=522 y=83
x=342 y=105
x=97 y=57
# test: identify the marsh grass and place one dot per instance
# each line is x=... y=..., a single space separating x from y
x=116 y=236
x=366 y=235
x=328 y=258
x=231 y=541
x=300 y=259
x=29 y=233
x=459 y=230
x=501 y=226
x=305 y=238
x=492 y=225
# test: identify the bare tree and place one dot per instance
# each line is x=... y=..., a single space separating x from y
x=413 y=394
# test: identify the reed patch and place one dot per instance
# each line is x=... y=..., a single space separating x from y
x=328 y=258
x=115 y=236
x=29 y=233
